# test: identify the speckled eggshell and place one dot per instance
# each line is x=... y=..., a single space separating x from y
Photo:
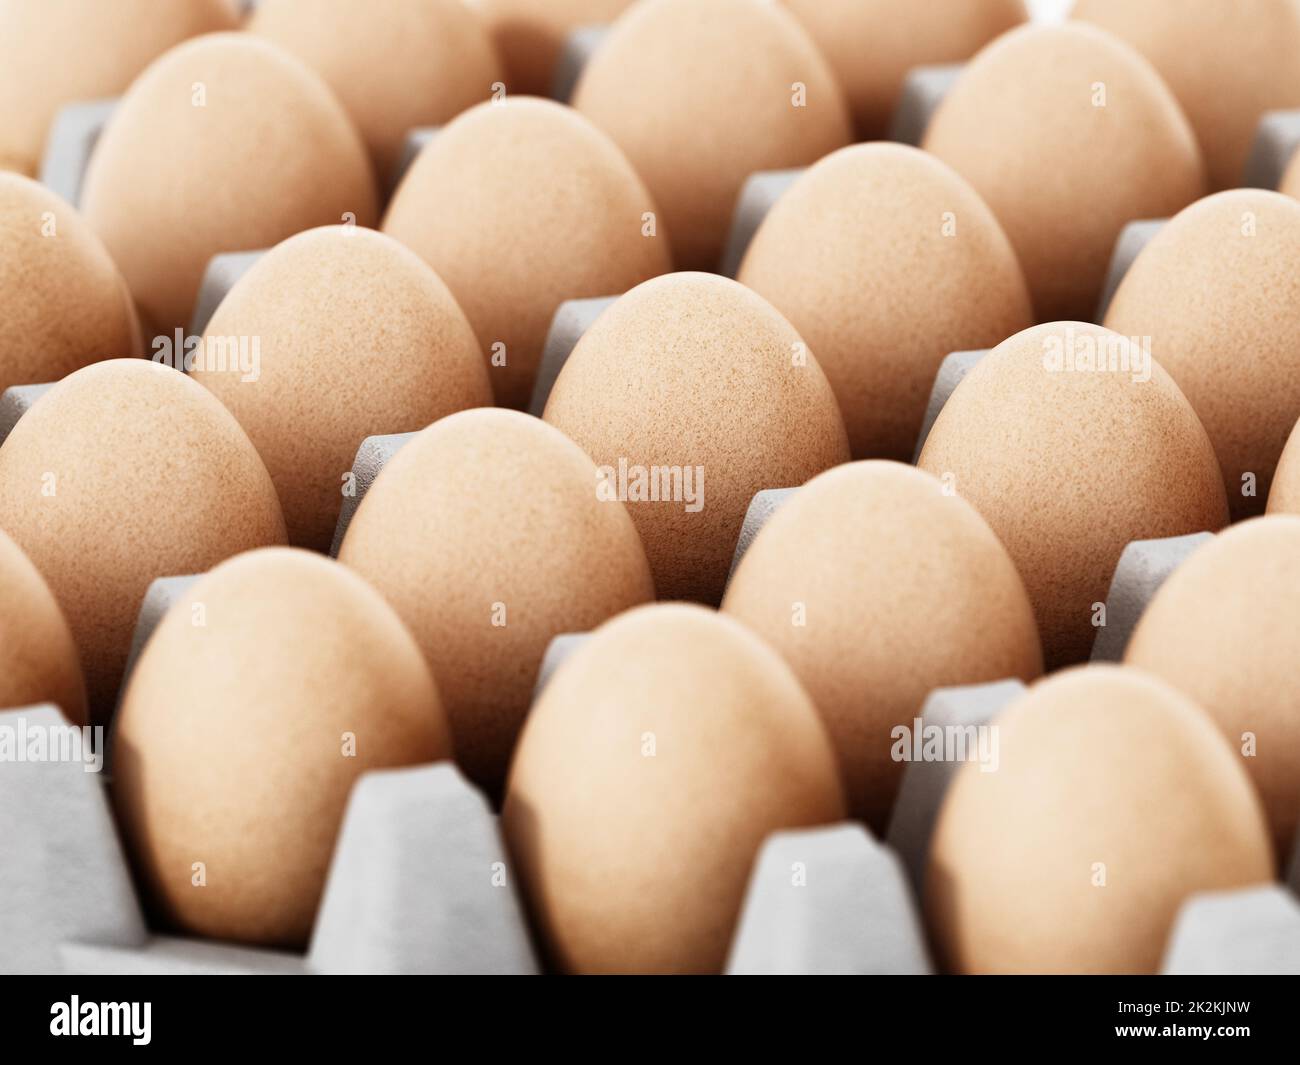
x=1225 y=630
x=873 y=44
x=886 y=261
x=1069 y=466
x=38 y=659
x=1114 y=800
x=1284 y=496
x=357 y=336
x=657 y=760
x=486 y=534
x=700 y=96
x=269 y=153
x=239 y=739
x=1218 y=292
x=59 y=52
x=878 y=588
x=403 y=64
x=695 y=371
x=1223 y=101
x=65 y=304
x=123 y=472
x=530 y=36
x=1063 y=175
x=520 y=206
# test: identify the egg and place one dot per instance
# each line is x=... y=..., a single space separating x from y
x=38 y=659
x=886 y=261
x=224 y=143
x=1072 y=441
x=65 y=303
x=486 y=534
x=355 y=336
x=530 y=36
x=123 y=472
x=1114 y=800
x=700 y=96
x=230 y=783
x=1097 y=142
x=1290 y=183
x=405 y=64
x=520 y=206
x=877 y=588
x=872 y=45
x=1217 y=293
x=658 y=758
x=691 y=393
x=1225 y=630
x=59 y=52
x=1284 y=496
x=1223 y=101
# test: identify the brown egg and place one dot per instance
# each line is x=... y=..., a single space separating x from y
x=1114 y=800
x=520 y=206
x=230 y=783
x=348 y=334
x=486 y=534
x=878 y=588
x=404 y=64
x=225 y=143
x=1097 y=142
x=692 y=393
x=530 y=36
x=1225 y=630
x=1290 y=184
x=700 y=96
x=123 y=472
x=657 y=760
x=1284 y=496
x=1071 y=443
x=59 y=52
x=1224 y=101
x=1217 y=292
x=886 y=261
x=65 y=304
x=38 y=660
x=873 y=44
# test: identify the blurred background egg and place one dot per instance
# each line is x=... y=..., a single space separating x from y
x=38 y=659
x=238 y=740
x=355 y=336
x=658 y=758
x=1217 y=291
x=1224 y=101
x=225 y=143
x=123 y=472
x=1071 y=446
x=59 y=52
x=530 y=36
x=520 y=206
x=696 y=375
x=403 y=64
x=1284 y=496
x=1224 y=629
x=886 y=261
x=1068 y=134
x=487 y=535
x=1114 y=800
x=873 y=44
x=877 y=588
x=700 y=96
x=65 y=304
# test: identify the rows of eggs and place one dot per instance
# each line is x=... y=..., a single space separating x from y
x=636 y=791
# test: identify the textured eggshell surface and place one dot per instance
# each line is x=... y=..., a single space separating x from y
x=530 y=36
x=356 y=336
x=692 y=393
x=1069 y=463
x=486 y=534
x=1114 y=800
x=877 y=588
x=659 y=757
x=238 y=740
